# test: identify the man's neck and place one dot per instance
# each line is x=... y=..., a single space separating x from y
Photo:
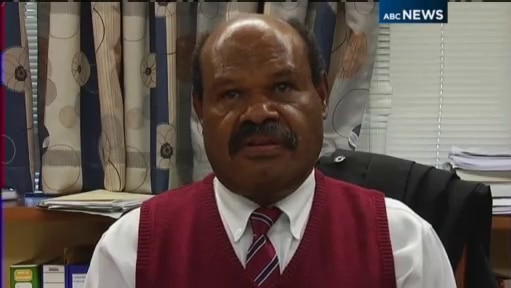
x=273 y=193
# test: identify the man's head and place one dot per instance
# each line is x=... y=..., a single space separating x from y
x=260 y=91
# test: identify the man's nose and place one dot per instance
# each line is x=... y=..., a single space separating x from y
x=260 y=111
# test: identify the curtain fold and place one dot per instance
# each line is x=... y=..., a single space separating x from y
x=137 y=88
x=85 y=69
x=287 y=10
x=163 y=97
x=115 y=89
x=61 y=154
x=350 y=71
x=19 y=161
x=106 y=23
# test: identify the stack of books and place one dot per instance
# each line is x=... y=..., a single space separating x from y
x=68 y=271
x=489 y=167
x=48 y=275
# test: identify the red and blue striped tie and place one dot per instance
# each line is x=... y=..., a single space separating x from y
x=262 y=262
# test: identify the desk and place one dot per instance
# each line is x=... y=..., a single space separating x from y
x=17 y=211
x=501 y=223
x=500 y=252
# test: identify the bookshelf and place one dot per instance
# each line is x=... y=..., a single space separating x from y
x=38 y=235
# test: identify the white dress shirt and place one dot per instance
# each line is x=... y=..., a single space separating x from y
x=419 y=257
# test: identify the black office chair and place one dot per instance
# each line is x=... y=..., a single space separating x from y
x=459 y=211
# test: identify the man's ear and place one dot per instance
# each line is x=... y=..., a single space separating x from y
x=323 y=92
x=197 y=104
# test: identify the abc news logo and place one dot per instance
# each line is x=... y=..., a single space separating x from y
x=415 y=15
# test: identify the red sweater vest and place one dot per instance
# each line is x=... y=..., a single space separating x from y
x=182 y=242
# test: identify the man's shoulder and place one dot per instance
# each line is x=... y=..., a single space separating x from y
x=397 y=211
x=405 y=224
x=122 y=236
x=183 y=194
x=418 y=251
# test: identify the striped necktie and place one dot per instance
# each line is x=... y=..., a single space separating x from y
x=262 y=262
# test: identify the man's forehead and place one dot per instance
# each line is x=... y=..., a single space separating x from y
x=241 y=29
x=253 y=42
x=245 y=52
x=249 y=23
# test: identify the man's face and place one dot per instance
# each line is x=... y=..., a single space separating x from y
x=261 y=112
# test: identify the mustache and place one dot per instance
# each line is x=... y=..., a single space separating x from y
x=270 y=129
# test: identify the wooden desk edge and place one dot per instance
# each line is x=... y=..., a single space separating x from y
x=20 y=213
x=501 y=222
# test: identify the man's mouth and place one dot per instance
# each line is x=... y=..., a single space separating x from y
x=261 y=147
x=262 y=141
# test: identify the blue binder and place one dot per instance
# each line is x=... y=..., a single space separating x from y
x=75 y=275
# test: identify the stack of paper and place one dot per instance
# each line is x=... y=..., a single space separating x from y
x=490 y=167
x=501 y=206
x=480 y=160
x=101 y=202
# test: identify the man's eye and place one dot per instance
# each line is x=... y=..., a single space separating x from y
x=230 y=95
x=282 y=87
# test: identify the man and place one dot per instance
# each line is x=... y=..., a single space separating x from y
x=267 y=218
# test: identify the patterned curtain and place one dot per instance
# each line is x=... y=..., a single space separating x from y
x=351 y=61
x=19 y=158
x=115 y=88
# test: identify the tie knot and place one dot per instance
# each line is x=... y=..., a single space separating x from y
x=263 y=218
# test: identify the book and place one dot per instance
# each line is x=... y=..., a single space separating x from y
x=485 y=176
x=75 y=275
x=25 y=275
x=59 y=275
x=500 y=190
x=54 y=275
x=77 y=259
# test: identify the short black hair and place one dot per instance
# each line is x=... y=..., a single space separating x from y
x=316 y=61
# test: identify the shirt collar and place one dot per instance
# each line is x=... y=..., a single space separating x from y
x=236 y=209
